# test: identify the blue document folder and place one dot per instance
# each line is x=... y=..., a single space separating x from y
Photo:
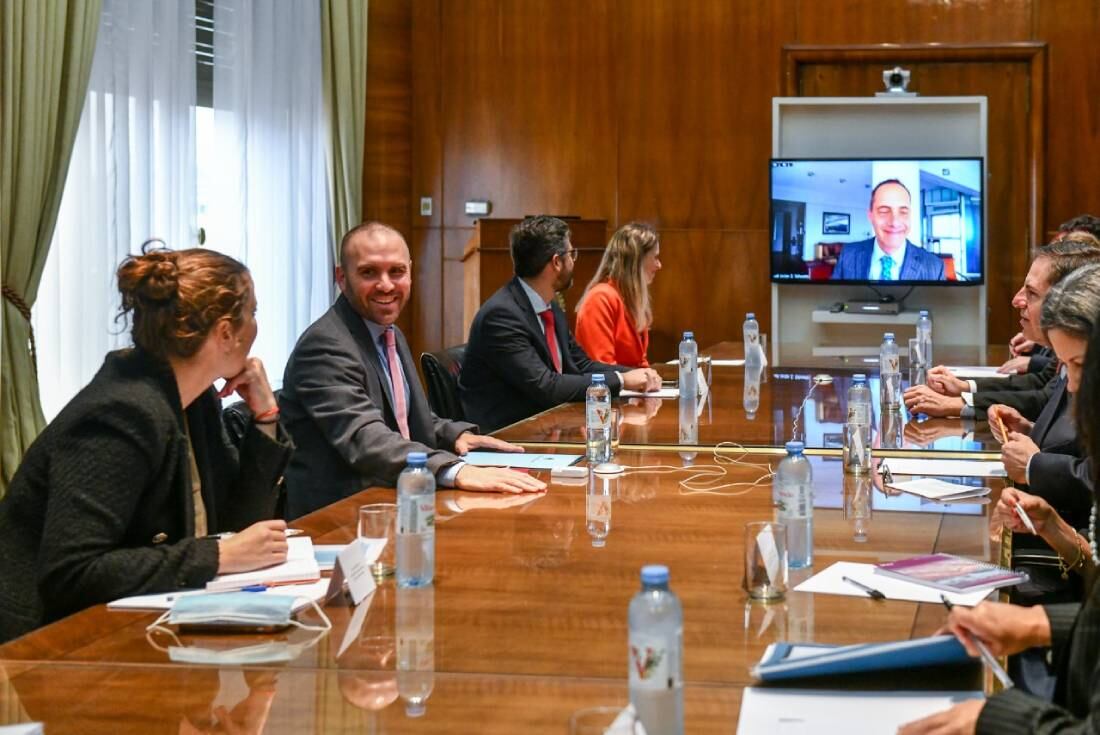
x=797 y=661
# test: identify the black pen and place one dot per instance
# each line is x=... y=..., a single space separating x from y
x=986 y=654
x=871 y=591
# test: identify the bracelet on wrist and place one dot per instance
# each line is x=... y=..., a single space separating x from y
x=1064 y=568
x=270 y=416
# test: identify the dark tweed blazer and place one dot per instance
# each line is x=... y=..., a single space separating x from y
x=1075 y=648
x=102 y=507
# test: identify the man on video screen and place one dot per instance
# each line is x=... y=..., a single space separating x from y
x=888 y=256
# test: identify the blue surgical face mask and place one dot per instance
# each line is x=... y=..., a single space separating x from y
x=235 y=609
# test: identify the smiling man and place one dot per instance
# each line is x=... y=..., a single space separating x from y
x=351 y=398
x=888 y=256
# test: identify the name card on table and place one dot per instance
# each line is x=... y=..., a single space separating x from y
x=353 y=569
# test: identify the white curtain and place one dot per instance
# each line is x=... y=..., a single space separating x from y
x=132 y=177
x=270 y=208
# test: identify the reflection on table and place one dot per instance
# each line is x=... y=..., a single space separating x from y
x=762 y=407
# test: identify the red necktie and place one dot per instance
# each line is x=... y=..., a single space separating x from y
x=397 y=382
x=551 y=337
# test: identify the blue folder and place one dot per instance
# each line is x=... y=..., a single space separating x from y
x=778 y=664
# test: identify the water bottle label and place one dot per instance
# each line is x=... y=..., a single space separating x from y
x=890 y=364
x=752 y=338
x=417 y=515
x=650 y=662
x=859 y=413
x=598 y=508
x=598 y=415
x=794 y=503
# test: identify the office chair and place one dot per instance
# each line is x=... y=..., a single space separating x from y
x=441 y=371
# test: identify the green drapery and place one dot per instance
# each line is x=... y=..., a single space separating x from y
x=46 y=49
x=344 y=65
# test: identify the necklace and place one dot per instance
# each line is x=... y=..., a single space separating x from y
x=1092 y=535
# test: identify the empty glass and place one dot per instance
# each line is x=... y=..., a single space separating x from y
x=378 y=521
x=765 y=560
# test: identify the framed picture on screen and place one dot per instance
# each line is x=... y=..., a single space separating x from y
x=836 y=223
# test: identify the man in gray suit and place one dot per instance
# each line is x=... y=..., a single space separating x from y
x=352 y=401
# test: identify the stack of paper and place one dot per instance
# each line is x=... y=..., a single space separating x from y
x=940 y=491
x=831 y=582
x=300 y=566
x=520 y=460
x=304 y=594
x=967 y=372
x=666 y=392
x=811 y=712
x=945 y=467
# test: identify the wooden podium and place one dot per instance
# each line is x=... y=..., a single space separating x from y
x=487 y=262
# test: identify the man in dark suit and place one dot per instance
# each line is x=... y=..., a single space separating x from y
x=521 y=357
x=351 y=398
x=1027 y=394
x=888 y=256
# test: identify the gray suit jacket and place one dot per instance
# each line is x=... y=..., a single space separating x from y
x=336 y=404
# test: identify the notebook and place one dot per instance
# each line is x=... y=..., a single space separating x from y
x=797 y=661
x=303 y=594
x=951 y=573
x=300 y=566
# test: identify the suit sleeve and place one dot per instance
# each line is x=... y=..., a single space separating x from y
x=97 y=487
x=596 y=323
x=1063 y=481
x=1038 y=363
x=447 y=432
x=519 y=364
x=330 y=384
x=1028 y=402
x=1014 y=711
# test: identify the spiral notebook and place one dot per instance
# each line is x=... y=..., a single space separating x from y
x=951 y=573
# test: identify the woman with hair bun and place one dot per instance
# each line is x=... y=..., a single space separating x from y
x=614 y=314
x=119 y=494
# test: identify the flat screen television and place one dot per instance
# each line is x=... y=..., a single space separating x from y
x=881 y=221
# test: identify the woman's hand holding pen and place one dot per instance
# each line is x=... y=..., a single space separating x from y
x=1005 y=629
x=260 y=545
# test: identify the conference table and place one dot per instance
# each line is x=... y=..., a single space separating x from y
x=530 y=598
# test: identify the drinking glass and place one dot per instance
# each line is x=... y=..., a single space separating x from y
x=603 y=721
x=917 y=358
x=616 y=426
x=765 y=560
x=378 y=521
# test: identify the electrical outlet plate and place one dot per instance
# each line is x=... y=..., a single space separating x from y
x=478 y=207
x=425 y=206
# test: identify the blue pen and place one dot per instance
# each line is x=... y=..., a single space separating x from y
x=254 y=588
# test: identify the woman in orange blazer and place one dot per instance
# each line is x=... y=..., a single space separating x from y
x=614 y=314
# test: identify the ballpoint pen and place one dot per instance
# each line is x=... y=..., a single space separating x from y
x=871 y=591
x=1025 y=518
x=987 y=655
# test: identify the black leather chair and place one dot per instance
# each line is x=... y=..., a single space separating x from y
x=441 y=371
x=236 y=417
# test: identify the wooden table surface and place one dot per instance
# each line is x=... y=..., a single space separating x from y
x=763 y=408
x=529 y=615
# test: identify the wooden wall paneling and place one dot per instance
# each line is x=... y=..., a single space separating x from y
x=1070 y=29
x=709 y=280
x=387 y=148
x=528 y=108
x=427 y=129
x=454 y=244
x=1007 y=77
x=694 y=83
x=426 y=304
x=841 y=22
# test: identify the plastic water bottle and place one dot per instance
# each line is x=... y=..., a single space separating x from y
x=857 y=428
x=597 y=417
x=750 y=397
x=597 y=514
x=689 y=366
x=415 y=647
x=794 y=484
x=924 y=337
x=415 y=523
x=751 y=335
x=655 y=653
x=889 y=372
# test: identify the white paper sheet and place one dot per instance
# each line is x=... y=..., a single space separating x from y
x=716 y=363
x=775 y=711
x=304 y=592
x=659 y=393
x=940 y=490
x=966 y=372
x=947 y=467
x=524 y=460
x=829 y=582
